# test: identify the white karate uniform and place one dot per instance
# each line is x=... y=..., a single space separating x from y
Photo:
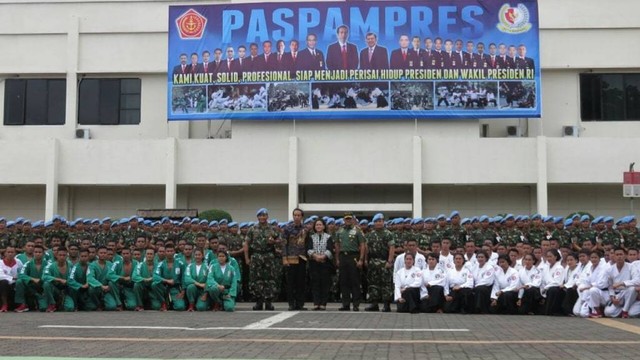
x=462 y=278
x=531 y=278
x=435 y=277
x=446 y=261
x=592 y=283
x=505 y=281
x=624 y=295
x=405 y=278
x=484 y=275
x=10 y=273
x=419 y=261
x=552 y=276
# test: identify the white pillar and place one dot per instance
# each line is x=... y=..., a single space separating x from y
x=171 y=187
x=541 y=198
x=51 y=178
x=71 y=111
x=417 y=177
x=293 y=175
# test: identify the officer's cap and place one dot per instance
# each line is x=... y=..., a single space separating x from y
x=348 y=215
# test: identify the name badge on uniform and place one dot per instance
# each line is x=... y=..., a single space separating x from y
x=421 y=63
x=411 y=63
x=433 y=62
x=453 y=63
x=475 y=64
x=321 y=64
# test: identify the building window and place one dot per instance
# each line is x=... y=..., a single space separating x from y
x=34 y=101
x=109 y=101
x=610 y=97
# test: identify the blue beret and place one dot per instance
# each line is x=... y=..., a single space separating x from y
x=243 y=225
x=441 y=217
x=46 y=223
x=465 y=221
x=73 y=223
x=213 y=223
x=195 y=221
x=223 y=221
x=106 y=219
x=204 y=222
x=262 y=211
x=313 y=217
x=484 y=218
x=185 y=219
x=474 y=219
x=27 y=221
x=585 y=218
x=3 y=219
x=19 y=220
x=417 y=221
x=430 y=220
x=509 y=216
x=95 y=221
x=407 y=221
x=363 y=222
x=536 y=217
x=123 y=220
x=376 y=217
x=575 y=216
x=454 y=213
x=524 y=218
x=597 y=220
x=165 y=220
x=114 y=224
x=518 y=218
x=331 y=221
x=147 y=222
x=86 y=221
x=10 y=223
x=340 y=222
x=307 y=220
x=631 y=218
x=607 y=219
x=325 y=218
x=568 y=222
x=233 y=224
x=273 y=221
x=558 y=220
x=38 y=223
x=547 y=218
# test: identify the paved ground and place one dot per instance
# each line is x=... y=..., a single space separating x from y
x=317 y=335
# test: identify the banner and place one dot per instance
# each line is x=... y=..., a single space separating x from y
x=354 y=60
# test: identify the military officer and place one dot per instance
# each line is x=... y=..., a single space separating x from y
x=350 y=244
x=380 y=256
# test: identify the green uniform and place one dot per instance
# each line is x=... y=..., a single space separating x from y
x=124 y=288
x=481 y=235
x=264 y=280
x=610 y=237
x=457 y=234
x=536 y=234
x=510 y=236
x=227 y=278
x=161 y=291
x=55 y=292
x=142 y=287
x=587 y=234
x=379 y=275
x=24 y=258
x=27 y=290
x=630 y=237
x=195 y=293
x=81 y=298
x=98 y=276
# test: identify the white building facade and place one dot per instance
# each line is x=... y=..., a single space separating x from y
x=401 y=167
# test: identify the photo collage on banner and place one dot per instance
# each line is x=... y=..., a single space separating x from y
x=354 y=60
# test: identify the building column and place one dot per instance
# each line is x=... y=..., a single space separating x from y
x=293 y=175
x=541 y=188
x=417 y=177
x=171 y=187
x=71 y=109
x=51 y=181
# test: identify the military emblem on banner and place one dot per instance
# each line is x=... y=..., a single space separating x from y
x=191 y=24
x=513 y=20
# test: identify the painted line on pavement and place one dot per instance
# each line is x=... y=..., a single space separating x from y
x=251 y=327
x=320 y=341
x=618 y=325
x=265 y=323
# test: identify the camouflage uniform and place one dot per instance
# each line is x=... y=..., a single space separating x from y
x=587 y=234
x=536 y=234
x=510 y=236
x=563 y=236
x=481 y=235
x=610 y=237
x=630 y=238
x=457 y=235
x=426 y=238
x=262 y=272
x=379 y=277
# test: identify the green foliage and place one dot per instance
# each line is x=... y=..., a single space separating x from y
x=215 y=214
x=580 y=213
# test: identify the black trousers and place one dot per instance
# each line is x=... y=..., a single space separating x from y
x=506 y=303
x=296 y=283
x=411 y=302
x=530 y=301
x=350 y=280
x=553 y=303
x=462 y=301
x=320 y=274
x=435 y=301
x=482 y=295
x=7 y=291
x=569 y=301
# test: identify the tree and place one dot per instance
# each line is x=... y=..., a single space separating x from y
x=215 y=214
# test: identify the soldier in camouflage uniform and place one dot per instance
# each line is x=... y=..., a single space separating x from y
x=630 y=232
x=585 y=232
x=4 y=235
x=428 y=236
x=609 y=235
x=380 y=255
x=537 y=231
x=455 y=232
x=485 y=232
x=560 y=233
x=260 y=254
x=509 y=236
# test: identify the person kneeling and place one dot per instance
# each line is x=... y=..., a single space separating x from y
x=221 y=283
x=407 y=282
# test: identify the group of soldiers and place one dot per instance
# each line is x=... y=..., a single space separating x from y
x=196 y=264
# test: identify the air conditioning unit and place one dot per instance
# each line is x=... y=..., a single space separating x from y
x=83 y=134
x=570 y=131
x=514 y=131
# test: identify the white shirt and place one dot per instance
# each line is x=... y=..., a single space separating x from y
x=462 y=278
x=406 y=278
x=508 y=280
x=591 y=277
x=616 y=276
x=484 y=275
x=572 y=277
x=433 y=277
x=531 y=277
x=419 y=261
x=552 y=276
x=446 y=261
x=10 y=273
